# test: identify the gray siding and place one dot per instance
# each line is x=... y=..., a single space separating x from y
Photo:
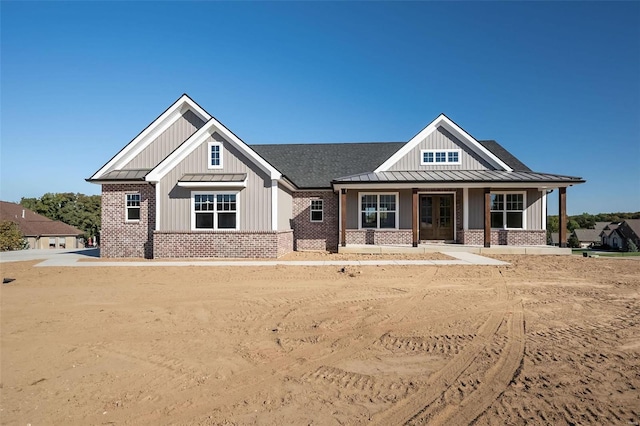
x=285 y=209
x=533 y=211
x=254 y=200
x=404 y=208
x=168 y=141
x=441 y=139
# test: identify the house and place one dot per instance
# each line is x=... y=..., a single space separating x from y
x=41 y=232
x=587 y=237
x=608 y=238
x=619 y=235
x=187 y=186
x=555 y=238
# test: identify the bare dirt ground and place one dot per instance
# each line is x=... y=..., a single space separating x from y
x=545 y=340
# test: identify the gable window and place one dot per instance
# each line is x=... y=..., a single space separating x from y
x=316 y=210
x=133 y=208
x=379 y=211
x=215 y=155
x=507 y=210
x=440 y=156
x=215 y=210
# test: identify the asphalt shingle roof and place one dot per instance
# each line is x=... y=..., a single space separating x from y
x=33 y=224
x=499 y=151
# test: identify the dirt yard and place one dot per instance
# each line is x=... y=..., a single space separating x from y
x=545 y=340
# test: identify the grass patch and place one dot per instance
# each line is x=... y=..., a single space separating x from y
x=579 y=252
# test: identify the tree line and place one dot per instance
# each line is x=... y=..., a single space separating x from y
x=588 y=221
x=79 y=210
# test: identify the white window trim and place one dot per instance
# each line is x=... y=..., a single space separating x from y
x=209 y=145
x=311 y=210
x=126 y=208
x=215 y=212
x=524 y=209
x=377 y=228
x=447 y=151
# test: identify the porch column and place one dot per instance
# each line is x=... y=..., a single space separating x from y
x=487 y=217
x=343 y=217
x=414 y=216
x=562 y=216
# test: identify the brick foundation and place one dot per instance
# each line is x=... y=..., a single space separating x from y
x=120 y=238
x=315 y=235
x=379 y=237
x=231 y=244
x=510 y=237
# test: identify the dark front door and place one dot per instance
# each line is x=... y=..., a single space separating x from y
x=436 y=217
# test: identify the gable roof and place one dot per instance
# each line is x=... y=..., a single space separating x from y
x=316 y=165
x=457 y=131
x=33 y=224
x=504 y=155
x=632 y=225
x=587 y=235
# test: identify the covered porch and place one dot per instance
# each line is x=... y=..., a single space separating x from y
x=415 y=209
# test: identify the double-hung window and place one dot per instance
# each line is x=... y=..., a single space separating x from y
x=315 y=210
x=508 y=210
x=430 y=157
x=215 y=155
x=215 y=210
x=379 y=211
x=133 y=208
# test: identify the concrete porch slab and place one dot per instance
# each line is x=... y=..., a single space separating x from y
x=447 y=248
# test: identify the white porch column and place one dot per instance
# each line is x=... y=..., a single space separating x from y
x=274 y=204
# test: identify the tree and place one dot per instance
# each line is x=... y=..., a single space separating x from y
x=79 y=210
x=573 y=241
x=631 y=246
x=11 y=237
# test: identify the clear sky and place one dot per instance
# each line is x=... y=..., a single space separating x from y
x=556 y=83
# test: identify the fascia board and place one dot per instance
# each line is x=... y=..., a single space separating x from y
x=148 y=135
x=407 y=185
x=199 y=137
x=444 y=121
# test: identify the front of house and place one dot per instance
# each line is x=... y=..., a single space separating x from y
x=187 y=186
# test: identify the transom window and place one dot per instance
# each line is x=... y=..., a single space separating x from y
x=508 y=210
x=379 y=211
x=440 y=156
x=316 y=210
x=215 y=210
x=215 y=155
x=133 y=207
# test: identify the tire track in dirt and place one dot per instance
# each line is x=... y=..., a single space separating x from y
x=494 y=382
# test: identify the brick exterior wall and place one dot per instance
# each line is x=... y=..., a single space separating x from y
x=378 y=237
x=511 y=237
x=309 y=235
x=119 y=238
x=233 y=244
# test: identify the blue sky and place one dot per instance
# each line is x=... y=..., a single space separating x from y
x=557 y=83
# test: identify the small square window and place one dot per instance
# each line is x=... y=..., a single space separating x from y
x=452 y=157
x=316 y=210
x=441 y=157
x=427 y=157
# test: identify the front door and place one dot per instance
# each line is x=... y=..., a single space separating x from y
x=436 y=217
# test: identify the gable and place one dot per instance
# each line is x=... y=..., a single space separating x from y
x=440 y=140
x=464 y=139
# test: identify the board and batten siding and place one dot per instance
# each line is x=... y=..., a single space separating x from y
x=167 y=142
x=534 y=211
x=440 y=139
x=254 y=200
x=285 y=209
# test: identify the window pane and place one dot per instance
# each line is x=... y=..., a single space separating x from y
x=515 y=202
x=204 y=220
x=133 y=213
x=387 y=202
x=497 y=202
x=316 y=204
x=452 y=157
x=369 y=219
x=369 y=202
x=387 y=219
x=514 y=220
x=496 y=219
x=316 y=215
x=133 y=200
x=427 y=157
x=215 y=155
x=441 y=157
x=226 y=220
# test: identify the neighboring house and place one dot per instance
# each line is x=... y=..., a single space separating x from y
x=187 y=186
x=587 y=237
x=627 y=230
x=607 y=235
x=555 y=238
x=39 y=231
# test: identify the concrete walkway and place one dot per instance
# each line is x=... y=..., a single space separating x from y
x=61 y=258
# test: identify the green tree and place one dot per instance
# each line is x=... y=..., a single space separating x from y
x=631 y=246
x=79 y=210
x=552 y=223
x=11 y=237
x=573 y=241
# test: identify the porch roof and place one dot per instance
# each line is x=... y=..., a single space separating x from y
x=125 y=175
x=459 y=176
x=213 y=177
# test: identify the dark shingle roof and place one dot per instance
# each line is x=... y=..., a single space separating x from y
x=316 y=165
x=508 y=158
x=33 y=224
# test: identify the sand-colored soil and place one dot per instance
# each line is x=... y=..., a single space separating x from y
x=545 y=340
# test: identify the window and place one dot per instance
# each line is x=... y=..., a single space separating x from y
x=215 y=211
x=507 y=210
x=52 y=242
x=316 y=211
x=215 y=155
x=62 y=242
x=440 y=156
x=133 y=207
x=378 y=211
